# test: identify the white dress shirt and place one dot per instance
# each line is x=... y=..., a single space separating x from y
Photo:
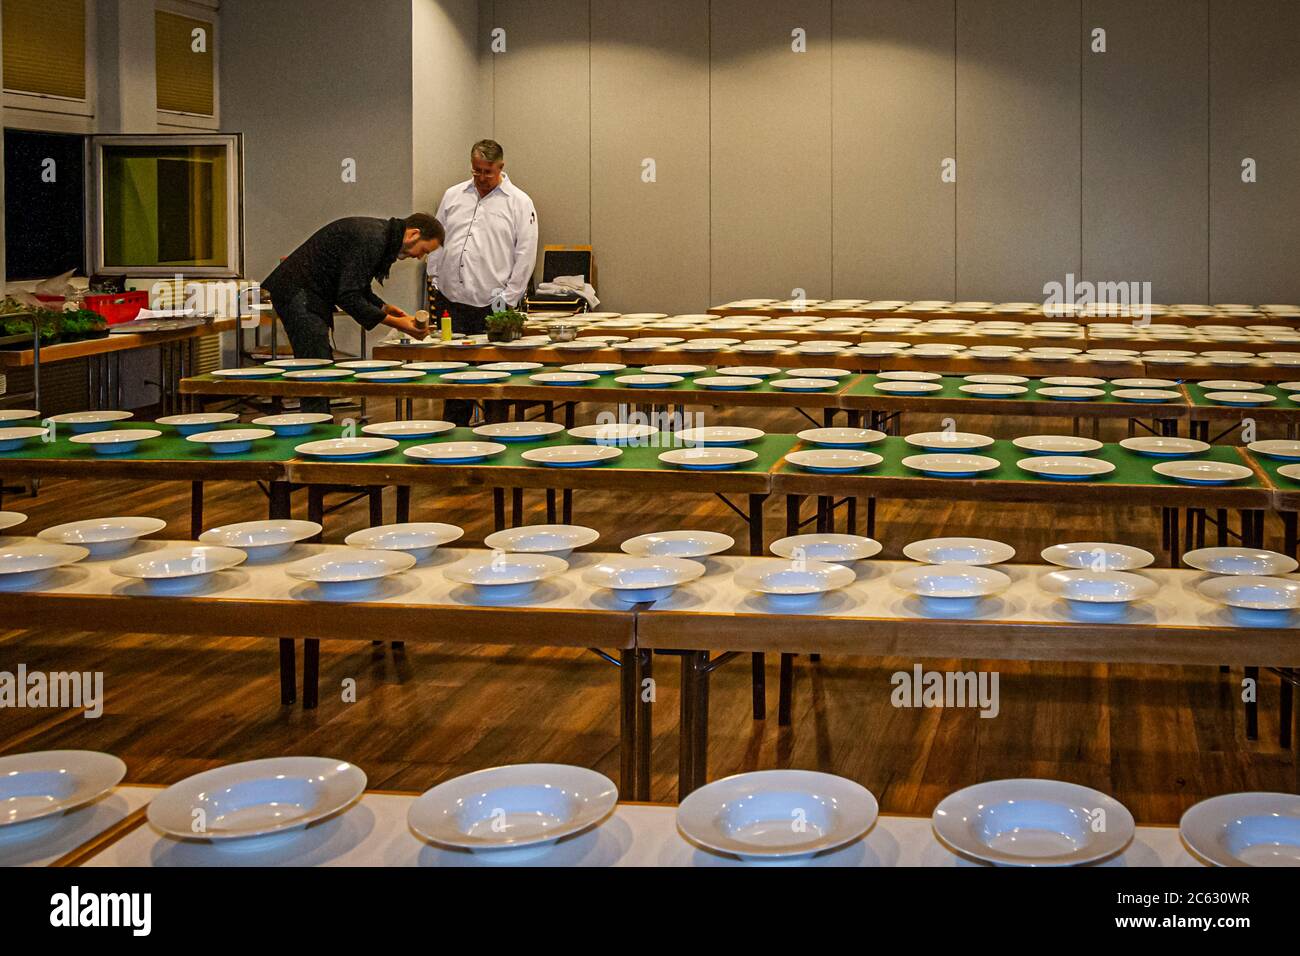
x=491 y=244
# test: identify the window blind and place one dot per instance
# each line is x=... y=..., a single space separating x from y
x=45 y=47
x=182 y=64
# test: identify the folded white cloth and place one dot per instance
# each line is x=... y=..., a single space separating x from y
x=570 y=284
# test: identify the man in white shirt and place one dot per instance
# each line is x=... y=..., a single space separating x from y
x=489 y=252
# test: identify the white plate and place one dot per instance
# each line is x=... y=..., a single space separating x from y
x=1144 y=395
x=1049 y=354
x=563 y=378
x=1065 y=467
x=594 y=368
x=1202 y=472
x=510 y=366
x=995 y=379
x=411 y=428
x=831 y=548
x=1244 y=829
x=1253 y=561
x=117 y=441
x=390 y=375
x=948 y=441
x=842 y=437
x=300 y=363
x=474 y=376
x=792 y=583
x=42 y=783
x=556 y=539
x=1254 y=600
x=11 y=519
x=368 y=365
x=803 y=384
x=674 y=369
x=614 y=433
x=176 y=569
x=1144 y=383
x=1277 y=448
x=678 y=544
x=648 y=381
x=727 y=382
x=350 y=572
x=319 y=374
x=512 y=808
x=750 y=371
x=949 y=590
x=976 y=552
x=200 y=422
x=257 y=797
x=23 y=565
x=455 y=452
x=436 y=366
x=1097 y=595
x=257 y=371
x=261 y=540
x=11 y=439
x=1230 y=385
x=1097 y=556
x=1033 y=823
x=297 y=423
x=720 y=435
x=906 y=388
x=993 y=391
x=517 y=431
x=229 y=441
x=950 y=465
x=1066 y=393
x=909 y=376
x=833 y=460
x=79 y=422
x=572 y=456
x=498 y=576
x=103 y=536
x=1157 y=446
x=750 y=815
x=635 y=579
x=1241 y=398
x=346 y=447
x=1057 y=444
x=708 y=458
x=818 y=372
x=419 y=539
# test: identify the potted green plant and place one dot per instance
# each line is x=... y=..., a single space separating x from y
x=505 y=326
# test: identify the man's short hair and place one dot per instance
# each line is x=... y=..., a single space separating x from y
x=488 y=150
x=429 y=226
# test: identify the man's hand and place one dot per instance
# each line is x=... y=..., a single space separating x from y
x=394 y=311
x=406 y=324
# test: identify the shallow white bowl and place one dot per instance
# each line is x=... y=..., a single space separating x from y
x=498 y=576
x=614 y=433
x=1065 y=467
x=9 y=415
x=648 y=381
x=1253 y=561
x=1097 y=595
x=969 y=551
x=833 y=460
x=517 y=431
x=752 y=815
x=1244 y=829
x=750 y=371
x=948 y=441
x=346 y=448
x=995 y=379
x=792 y=584
x=1057 y=444
x=261 y=540
x=1254 y=600
x=572 y=456
x=727 y=382
x=296 y=423
x=368 y=365
x=436 y=366
x=178 y=569
x=474 y=376
x=350 y=572
x=103 y=536
x=25 y=565
x=1202 y=472
x=841 y=437
x=82 y=422
x=198 y=422
x=1032 y=823
x=1164 y=447
x=635 y=579
x=11 y=519
x=678 y=544
x=319 y=374
x=411 y=428
x=454 y=452
x=906 y=376
x=14 y=438
x=832 y=548
x=951 y=466
x=1097 y=556
x=42 y=783
x=117 y=441
x=708 y=458
x=950 y=589
x=299 y=363
x=555 y=539
x=510 y=366
x=419 y=539
x=720 y=435
x=230 y=441
x=257 y=798
x=523 y=806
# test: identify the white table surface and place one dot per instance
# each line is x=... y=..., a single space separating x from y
x=373 y=832
x=42 y=842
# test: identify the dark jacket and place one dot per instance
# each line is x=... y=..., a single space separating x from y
x=337 y=264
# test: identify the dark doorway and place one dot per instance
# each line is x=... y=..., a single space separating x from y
x=45 y=206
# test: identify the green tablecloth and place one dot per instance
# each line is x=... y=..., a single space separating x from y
x=1284 y=398
x=170 y=446
x=951 y=388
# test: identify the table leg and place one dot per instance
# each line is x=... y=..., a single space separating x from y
x=566 y=500
x=516 y=507
x=498 y=509
x=627 y=722
x=758 y=668
x=550 y=505
x=1221 y=517
x=644 y=727
x=316 y=508
x=196 y=509
x=786 y=694
x=1288 y=532
x=686 y=728
x=871 y=517
x=756 y=503
x=310 y=673
x=376 y=493
x=279 y=503
x=288 y=675
x=403 y=504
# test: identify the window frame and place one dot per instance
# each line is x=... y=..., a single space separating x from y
x=234 y=143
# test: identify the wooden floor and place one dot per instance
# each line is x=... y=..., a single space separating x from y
x=1157 y=738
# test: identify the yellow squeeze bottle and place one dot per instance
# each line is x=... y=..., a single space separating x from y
x=446 y=326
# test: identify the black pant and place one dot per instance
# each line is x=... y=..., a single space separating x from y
x=308 y=328
x=465 y=320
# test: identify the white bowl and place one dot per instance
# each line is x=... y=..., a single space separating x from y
x=510 y=366
x=833 y=460
x=345 y=448
x=1231 y=385
x=818 y=372
x=419 y=539
x=261 y=540
x=752 y=815
x=1164 y=447
x=1065 y=467
x=12 y=439
x=368 y=365
x=454 y=452
x=555 y=539
x=674 y=369
x=350 y=572
x=750 y=371
x=498 y=576
x=1070 y=393
x=103 y=536
x=909 y=376
x=951 y=466
x=720 y=435
x=256 y=371
x=1097 y=556
x=907 y=388
x=995 y=379
x=594 y=368
x=832 y=548
x=300 y=363
x=390 y=375
x=614 y=433
x=1202 y=472
x=230 y=441
x=1244 y=829
x=727 y=382
x=1033 y=823
x=947 y=441
x=42 y=783
x=572 y=456
x=635 y=579
x=1144 y=395
x=517 y=431
x=1097 y=595
x=678 y=544
x=792 y=584
x=563 y=378
x=81 y=422
x=524 y=806
x=436 y=366
x=257 y=798
x=950 y=589
x=297 y=423
x=1254 y=600
x=967 y=551
x=474 y=376
x=117 y=441
x=704 y=458
x=1144 y=383
x=1057 y=444
x=648 y=381
x=1253 y=561
x=841 y=437
x=199 y=422
x=178 y=569
x=992 y=391
x=25 y=565
x=11 y=519
x=411 y=428
x=318 y=374
x=19 y=415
